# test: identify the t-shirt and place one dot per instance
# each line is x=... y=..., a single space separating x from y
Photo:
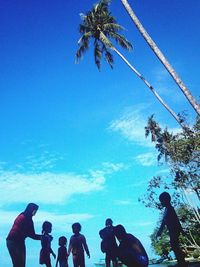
x=23 y=227
x=172 y=222
x=108 y=243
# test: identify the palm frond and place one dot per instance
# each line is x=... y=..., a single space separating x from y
x=97 y=54
x=109 y=58
x=112 y=26
x=83 y=47
x=99 y=24
x=120 y=39
x=85 y=38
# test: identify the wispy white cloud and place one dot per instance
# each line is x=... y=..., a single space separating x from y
x=110 y=167
x=122 y=202
x=163 y=171
x=62 y=222
x=131 y=125
x=50 y=187
x=46 y=187
x=146 y=159
x=44 y=161
x=107 y=168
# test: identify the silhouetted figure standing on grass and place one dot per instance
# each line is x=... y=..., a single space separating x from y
x=46 y=249
x=62 y=257
x=23 y=227
x=108 y=243
x=130 y=251
x=171 y=221
x=77 y=245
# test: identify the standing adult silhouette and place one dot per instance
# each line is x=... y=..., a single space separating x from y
x=23 y=227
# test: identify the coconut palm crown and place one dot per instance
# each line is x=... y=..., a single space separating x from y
x=99 y=25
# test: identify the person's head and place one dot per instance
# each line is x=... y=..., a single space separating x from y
x=46 y=227
x=31 y=209
x=120 y=232
x=165 y=199
x=108 y=222
x=76 y=228
x=62 y=241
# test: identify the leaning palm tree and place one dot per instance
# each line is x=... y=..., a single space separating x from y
x=99 y=25
x=161 y=57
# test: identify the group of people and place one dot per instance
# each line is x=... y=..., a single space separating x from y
x=23 y=227
x=129 y=250
x=77 y=245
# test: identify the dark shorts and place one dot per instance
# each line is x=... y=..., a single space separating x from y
x=45 y=258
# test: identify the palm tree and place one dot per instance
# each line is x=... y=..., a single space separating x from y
x=99 y=25
x=162 y=58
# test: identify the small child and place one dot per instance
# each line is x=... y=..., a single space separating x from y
x=109 y=244
x=46 y=244
x=62 y=257
x=171 y=221
x=77 y=245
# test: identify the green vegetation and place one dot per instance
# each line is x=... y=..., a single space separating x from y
x=181 y=152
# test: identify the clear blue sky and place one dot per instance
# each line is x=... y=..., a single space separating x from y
x=72 y=138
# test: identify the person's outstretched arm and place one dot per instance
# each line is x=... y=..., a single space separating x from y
x=31 y=231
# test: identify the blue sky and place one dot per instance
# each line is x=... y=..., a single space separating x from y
x=72 y=138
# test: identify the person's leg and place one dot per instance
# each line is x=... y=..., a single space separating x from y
x=75 y=261
x=23 y=256
x=107 y=260
x=115 y=263
x=48 y=263
x=174 y=241
x=17 y=253
x=63 y=264
x=81 y=259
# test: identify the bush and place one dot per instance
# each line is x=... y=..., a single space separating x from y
x=196 y=253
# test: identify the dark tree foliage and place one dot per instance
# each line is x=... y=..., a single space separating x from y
x=99 y=26
x=161 y=246
x=181 y=152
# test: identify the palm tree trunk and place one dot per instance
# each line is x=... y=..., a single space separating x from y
x=192 y=205
x=107 y=42
x=162 y=58
x=149 y=86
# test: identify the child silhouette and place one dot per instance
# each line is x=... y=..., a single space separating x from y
x=108 y=243
x=77 y=245
x=62 y=257
x=171 y=221
x=46 y=244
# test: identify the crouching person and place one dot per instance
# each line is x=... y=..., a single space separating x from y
x=130 y=251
